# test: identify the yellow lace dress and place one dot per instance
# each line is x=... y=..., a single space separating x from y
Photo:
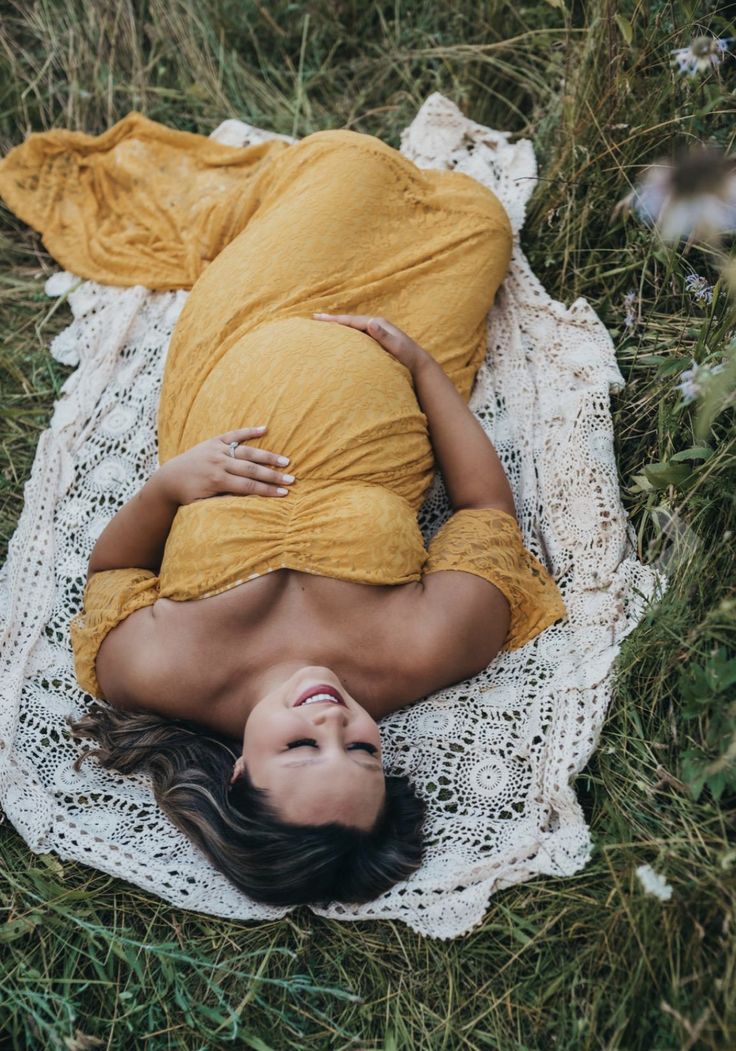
x=266 y=235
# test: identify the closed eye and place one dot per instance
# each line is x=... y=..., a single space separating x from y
x=365 y=746
x=309 y=741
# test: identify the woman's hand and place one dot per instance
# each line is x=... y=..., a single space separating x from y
x=391 y=338
x=208 y=469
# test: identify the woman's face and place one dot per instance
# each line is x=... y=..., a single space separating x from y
x=320 y=761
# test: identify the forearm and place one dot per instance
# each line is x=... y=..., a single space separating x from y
x=471 y=469
x=137 y=534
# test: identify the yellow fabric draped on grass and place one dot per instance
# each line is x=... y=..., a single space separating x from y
x=265 y=235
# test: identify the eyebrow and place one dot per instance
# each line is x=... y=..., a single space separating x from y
x=307 y=762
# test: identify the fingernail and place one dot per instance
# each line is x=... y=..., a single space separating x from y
x=320 y=315
x=283 y=460
x=287 y=477
x=282 y=492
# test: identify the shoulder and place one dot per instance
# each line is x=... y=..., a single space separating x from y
x=463 y=617
x=126 y=659
x=446 y=628
x=148 y=664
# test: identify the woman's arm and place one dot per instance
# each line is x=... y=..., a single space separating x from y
x=473 y=474
x=136 y=536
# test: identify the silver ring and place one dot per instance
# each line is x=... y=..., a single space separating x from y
x=232 y=447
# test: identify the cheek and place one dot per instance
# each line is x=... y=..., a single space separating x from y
x=369 y=731
x=257 y=753
x=267 y=732
x=259 y=737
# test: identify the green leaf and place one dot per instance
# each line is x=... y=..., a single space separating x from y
x=698 y=452
x=716 y=783
x=672 y=366
x=662 y=254
x=719 y=671
x=693 y=771
x=666 y=363
x=127 y=955
x=255 y=1042
x=641 y=483
x=718 y=395
x=662 y=475
x=17 y=928
x=625 y=27
x=53 y=863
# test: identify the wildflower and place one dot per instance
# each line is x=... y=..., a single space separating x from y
x=701 y=54
x=653 y=883
x=693 y=381
x=699 y=287
x=630 y=308
x=692 y=196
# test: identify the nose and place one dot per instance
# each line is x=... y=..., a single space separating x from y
x=330 y=715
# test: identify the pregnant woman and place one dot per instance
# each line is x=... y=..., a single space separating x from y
x=249 y=627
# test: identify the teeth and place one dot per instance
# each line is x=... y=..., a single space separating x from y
x=320 y=697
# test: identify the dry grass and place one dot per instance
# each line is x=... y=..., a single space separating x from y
x=587 y=962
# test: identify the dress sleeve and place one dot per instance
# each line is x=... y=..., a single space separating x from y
x=109 y=597
x=488 y=542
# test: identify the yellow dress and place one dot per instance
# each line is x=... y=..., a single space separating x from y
x=268 y=234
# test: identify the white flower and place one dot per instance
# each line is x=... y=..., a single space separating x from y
x=693 y=381
x=690 y=197
x=630 y=308
x=699 y=287
x=703 y=53
x=653 y=883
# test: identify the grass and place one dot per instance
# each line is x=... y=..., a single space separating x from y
x=587 y=962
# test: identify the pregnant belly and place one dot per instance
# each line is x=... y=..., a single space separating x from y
x=333 y=400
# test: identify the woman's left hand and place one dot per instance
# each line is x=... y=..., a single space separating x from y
x=397 y=343
x=208 y=470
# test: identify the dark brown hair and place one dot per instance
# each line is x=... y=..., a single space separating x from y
x=238 y=829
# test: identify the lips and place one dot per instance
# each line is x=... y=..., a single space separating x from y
x=320 y=688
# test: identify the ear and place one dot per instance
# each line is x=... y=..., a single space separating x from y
x=238 y=769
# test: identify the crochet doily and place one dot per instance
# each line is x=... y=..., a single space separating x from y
x=493 y=755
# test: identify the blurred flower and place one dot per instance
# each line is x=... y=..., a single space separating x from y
x=703 y=52
x=653 y=883
x=693 y=381
x=630 y=308
x=699 y=288
x=692 y=196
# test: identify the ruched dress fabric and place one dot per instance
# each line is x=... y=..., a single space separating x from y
x=268 y=234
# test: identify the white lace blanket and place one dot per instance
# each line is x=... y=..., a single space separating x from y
x=494 y=756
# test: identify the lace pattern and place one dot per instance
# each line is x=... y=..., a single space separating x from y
x=487 y=542
x=494 y=755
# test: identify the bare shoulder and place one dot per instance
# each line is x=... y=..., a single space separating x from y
x=447 y=629
x=147 y=663
x=126 y=659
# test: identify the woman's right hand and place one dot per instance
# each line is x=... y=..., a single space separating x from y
x=393 y=339
x=208 y=469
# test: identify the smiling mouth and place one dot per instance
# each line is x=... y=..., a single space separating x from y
x=322 y=693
